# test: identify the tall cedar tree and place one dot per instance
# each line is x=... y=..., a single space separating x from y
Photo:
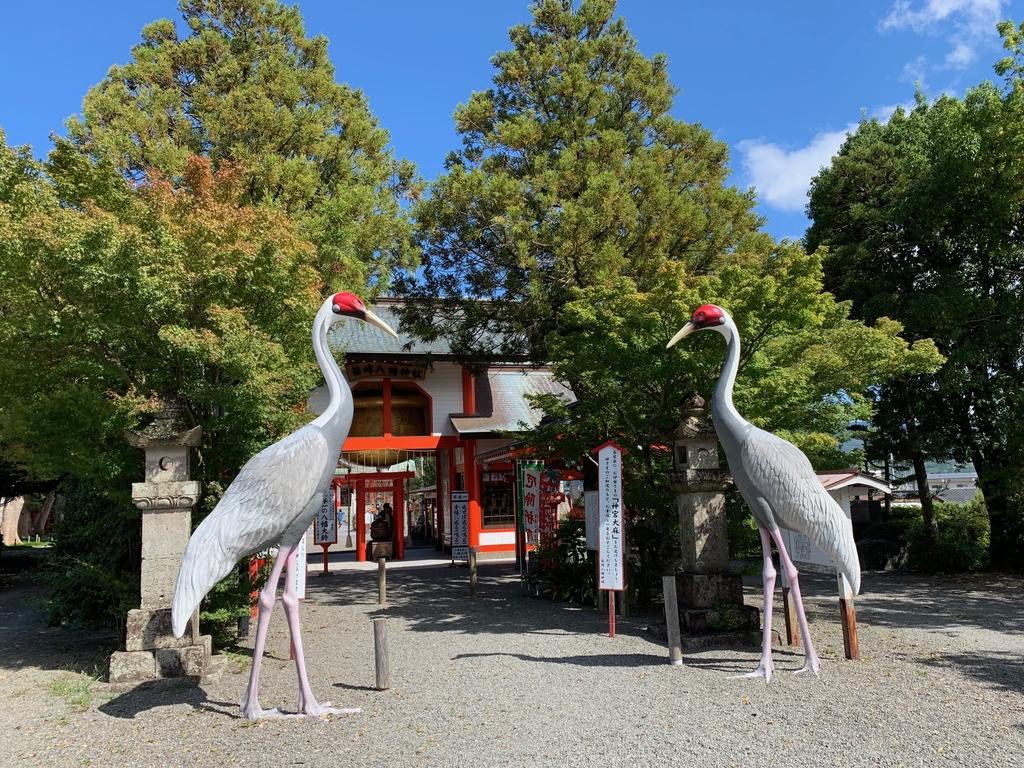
x=924 y=221
x=581 y=223
x=247 y=86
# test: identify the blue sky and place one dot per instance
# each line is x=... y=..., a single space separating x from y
x=780 y=82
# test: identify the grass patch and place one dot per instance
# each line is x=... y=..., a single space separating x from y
x=76 y=690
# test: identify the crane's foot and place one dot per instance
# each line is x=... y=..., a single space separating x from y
x=811 y=665
x=251 y=710
x=312 y=708
x=763 y=672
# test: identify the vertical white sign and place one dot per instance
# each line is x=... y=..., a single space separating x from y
x=609 y=460
x=531 y=504
x=300 y=569
x=460 y=525
x=325 y=524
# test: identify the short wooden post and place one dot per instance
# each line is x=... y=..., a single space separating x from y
x=851 y=645
x=789 y=611
x=327 y=570
x=675 y=640
x=382 y=581
x=380 y=653
x=472 y=572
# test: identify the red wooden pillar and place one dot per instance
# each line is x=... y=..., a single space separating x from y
x=440 y=503
x=358 y=501
x=398 y=497
x=472 y=471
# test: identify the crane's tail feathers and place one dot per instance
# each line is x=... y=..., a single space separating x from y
x=843 y=549
x=204 y=563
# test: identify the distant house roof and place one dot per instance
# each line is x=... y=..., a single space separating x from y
x=845 y=478
x=502 y=402
x=957 y=495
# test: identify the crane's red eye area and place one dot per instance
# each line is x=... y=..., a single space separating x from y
x=346 y=303
x=709 y=314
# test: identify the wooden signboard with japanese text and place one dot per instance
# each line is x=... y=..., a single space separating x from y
x=460 y=525
x=325 y=524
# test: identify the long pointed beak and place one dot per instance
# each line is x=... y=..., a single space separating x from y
x=685 y=331
x=372 y=319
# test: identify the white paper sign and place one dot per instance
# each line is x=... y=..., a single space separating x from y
x=300 y=569
x=325 y=524
x=609 y=460
x=591 y=518
x=531 y=504
x=460 y=525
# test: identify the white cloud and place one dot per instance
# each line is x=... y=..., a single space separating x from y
x=782 y=176
x=964 y=23
x=914 y=72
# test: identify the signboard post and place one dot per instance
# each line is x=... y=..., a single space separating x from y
x=460 y=525
x=610 y=525
x=325 y=526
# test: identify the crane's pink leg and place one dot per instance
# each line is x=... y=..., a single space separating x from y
x=307 y=702
x=765 y=667
x=811 y=663
x=251 y=706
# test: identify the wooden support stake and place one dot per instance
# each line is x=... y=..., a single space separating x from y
x=472 y=572
x=380 y=653
x=789 y=613
x=851 y=645
x=675 y=640
x=327 y=571
x=611 y=613
x=382 y=581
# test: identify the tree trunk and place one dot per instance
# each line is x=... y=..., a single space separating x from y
x=931 y=528
x=1005 y=516
x=11 y=516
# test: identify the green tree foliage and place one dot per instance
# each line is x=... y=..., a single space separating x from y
x=175 y=247
x=922 y=218
x=247 y=87
x=592 y=223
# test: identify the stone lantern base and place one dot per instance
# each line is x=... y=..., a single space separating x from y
x=152 y=650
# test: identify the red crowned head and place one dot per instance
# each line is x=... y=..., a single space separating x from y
x=708 y=315
x=349 y=304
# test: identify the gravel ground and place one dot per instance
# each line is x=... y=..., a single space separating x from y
x=511 y=680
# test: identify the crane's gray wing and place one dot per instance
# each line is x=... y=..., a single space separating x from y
x=783 y=475
x=266 y=496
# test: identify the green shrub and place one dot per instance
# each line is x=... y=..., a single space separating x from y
x=93 y=566
x=560 y=568
x=962 y=544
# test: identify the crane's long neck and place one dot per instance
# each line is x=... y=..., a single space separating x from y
x=727 y=418
x=338 y=412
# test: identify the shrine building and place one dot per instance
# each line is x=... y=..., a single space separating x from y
x=418 y=408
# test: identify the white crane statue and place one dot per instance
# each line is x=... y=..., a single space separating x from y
x=272 y=501
x=780 y=486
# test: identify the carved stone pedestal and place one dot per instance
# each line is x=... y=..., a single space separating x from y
x=166 y=500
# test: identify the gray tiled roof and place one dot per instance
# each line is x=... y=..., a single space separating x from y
x=502 y=400
x=957 y=495
x=354 y=337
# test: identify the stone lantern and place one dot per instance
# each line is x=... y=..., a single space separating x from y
x=710 y=596
x=166 y=499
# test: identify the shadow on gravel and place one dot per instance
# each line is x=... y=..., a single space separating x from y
x=590 y=660
x=165 y=693
x=28 y=641
x=1000 y=670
